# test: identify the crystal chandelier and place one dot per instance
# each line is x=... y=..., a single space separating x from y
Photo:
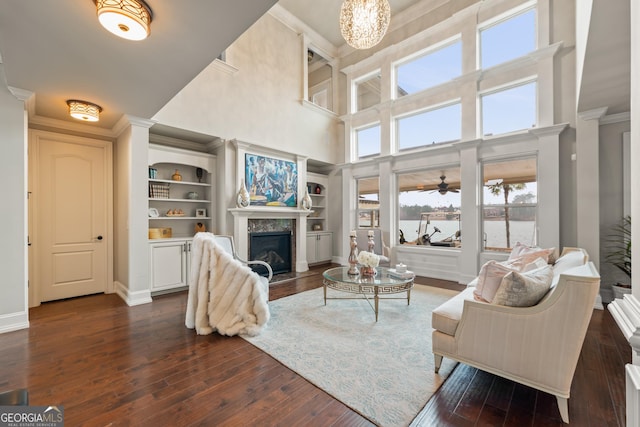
x=363 y=23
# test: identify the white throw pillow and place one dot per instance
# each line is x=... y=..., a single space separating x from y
x=489 y=280
x=524 y=289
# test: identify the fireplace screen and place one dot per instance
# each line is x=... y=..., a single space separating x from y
x=274 y=248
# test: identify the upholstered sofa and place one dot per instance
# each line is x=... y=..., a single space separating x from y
x=537 y=346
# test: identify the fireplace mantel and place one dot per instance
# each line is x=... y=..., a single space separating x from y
x=241 y=218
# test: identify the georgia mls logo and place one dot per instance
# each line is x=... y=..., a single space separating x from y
x=33 y=416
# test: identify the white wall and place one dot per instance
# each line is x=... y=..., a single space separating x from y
x=261 y=102
x=13 y=229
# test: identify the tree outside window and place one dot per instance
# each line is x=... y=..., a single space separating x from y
x=509 y=203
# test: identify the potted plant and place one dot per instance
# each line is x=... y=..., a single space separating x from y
x=620 y=254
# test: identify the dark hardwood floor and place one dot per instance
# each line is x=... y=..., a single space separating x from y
x=110 y=365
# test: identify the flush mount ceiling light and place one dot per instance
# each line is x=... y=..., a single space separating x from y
x=129 y=19
x=83 y=110
x=363 y=23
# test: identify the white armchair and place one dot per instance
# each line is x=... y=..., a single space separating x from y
x=379 y=248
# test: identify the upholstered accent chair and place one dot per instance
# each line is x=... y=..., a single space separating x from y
x=379 y=248
x=227 y=243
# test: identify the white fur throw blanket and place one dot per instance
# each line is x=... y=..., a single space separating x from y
x=224 y=294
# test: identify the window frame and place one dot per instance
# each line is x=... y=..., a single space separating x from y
x=443 y=44
x=501 y=18
x=503 y=88
x=431 y=108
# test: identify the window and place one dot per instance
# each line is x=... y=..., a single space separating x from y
x=509 y=203
x=508 y=39
x=509 y=110
x=368 y=140
x=429 y=127
x=367 y=92
x=429 y=207
x=368 y=202
x=429 y=70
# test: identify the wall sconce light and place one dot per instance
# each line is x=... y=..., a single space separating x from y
x=83 y=110
x=363 y=23
x=129 y=19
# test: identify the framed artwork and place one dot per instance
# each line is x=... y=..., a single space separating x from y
x=201 y=213
x=271 y=182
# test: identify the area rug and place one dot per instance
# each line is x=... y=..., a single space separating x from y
x=382 y=370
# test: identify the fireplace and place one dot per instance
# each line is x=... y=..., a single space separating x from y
x=274 y=248
x=244 y=224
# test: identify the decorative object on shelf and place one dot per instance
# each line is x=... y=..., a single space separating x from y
x=363 y=23
x=368 y=263
x=129 y=19
x=176 y=176
x=158 y=190
x=160 y=233
x=199 y=174
x=83 y=110
x=317 y=226
x=271 y=182
x=175 y=212
x=307 y=204
x=243 y=200
x=353 y=254
x=153 y=173
x=192 y=195
x=153 y=213
x=318 y=189
x=201 y=213
x=200 y=227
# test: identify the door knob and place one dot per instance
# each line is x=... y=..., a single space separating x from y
x=99 y=237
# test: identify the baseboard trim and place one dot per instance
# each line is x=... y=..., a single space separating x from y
x=14 y=322
x=133 y=298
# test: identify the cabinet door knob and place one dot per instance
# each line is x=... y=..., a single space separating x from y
x=99 y=238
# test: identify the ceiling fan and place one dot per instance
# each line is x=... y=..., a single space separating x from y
x=443 y=187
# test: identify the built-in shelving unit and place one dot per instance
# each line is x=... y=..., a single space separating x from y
x=317 y=187
x=183 y=205
x=180 y=204
x=319 y=239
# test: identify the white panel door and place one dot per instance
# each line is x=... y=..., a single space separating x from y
x=72 y=219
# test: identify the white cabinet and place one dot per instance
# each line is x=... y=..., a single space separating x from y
x=319 y=247
x=169 y=264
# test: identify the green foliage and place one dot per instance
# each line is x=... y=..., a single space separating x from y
x=619 y=245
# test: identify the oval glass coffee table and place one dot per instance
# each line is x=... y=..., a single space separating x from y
x=381 y=284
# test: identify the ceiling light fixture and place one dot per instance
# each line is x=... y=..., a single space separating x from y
x=129 y=19
x=83 y=110
x=363 y=23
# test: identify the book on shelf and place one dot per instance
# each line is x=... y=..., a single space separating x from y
x=401 y=275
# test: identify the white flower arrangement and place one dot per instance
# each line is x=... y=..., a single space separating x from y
x=368 y=259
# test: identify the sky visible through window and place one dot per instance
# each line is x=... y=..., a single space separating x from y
x=430 y=127
x=508 y=40
x=368 y=141
x=509 y=110
x=430 y=70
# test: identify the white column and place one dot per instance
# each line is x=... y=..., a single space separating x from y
x=549 y=185
x=136 y=130
x=470 y=205
x=587 y=182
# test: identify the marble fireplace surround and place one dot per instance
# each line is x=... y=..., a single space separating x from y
x=241 y=218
